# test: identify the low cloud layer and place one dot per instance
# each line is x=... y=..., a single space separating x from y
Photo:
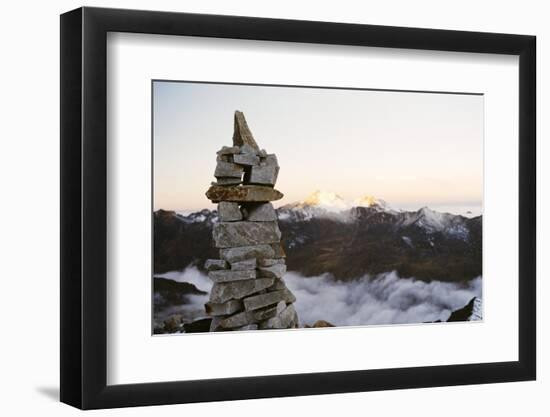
x=383 y=299
x=193 y=308
x=191 y=275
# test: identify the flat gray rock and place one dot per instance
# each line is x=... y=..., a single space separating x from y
x=273 y=271
x=229 y=276
x=246 y=148
x=228 y=150
x=238 y=320
x=263 y=300
x=278 y=285
x=225 y=291
x=295 y=323
x=226 y=181
x=247 y=318
x=259 y=212
x=242 y=253
x=283 y=321
x=228 y=169
x=281 y=305
x=247 y=159
x=235 y=234
x=223 y=309
x=268 y=312
x=270 y=160
x=288 y=296
x=270 y=261
x=215 y=324
x=215 y=264
x=244 y=265
x=243 y=193
x=229 y=212
x=264 y=175
x=224 y=158
x=247 y=327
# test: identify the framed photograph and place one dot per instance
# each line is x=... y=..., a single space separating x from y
x=259 y=208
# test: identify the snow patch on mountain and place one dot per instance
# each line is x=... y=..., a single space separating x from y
x=432 y=221
x=374 y=203
x=329 y=205
x=202 y=216
x=326 y=200
x=324 y=204
x=408 y=241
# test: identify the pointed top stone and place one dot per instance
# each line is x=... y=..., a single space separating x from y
x=242 y=134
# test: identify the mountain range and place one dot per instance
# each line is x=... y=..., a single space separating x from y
x=325 y=234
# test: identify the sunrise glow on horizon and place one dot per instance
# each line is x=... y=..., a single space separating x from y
x=410 y=149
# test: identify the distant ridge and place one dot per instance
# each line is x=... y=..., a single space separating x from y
x=325 y=234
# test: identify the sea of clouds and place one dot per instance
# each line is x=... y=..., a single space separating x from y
x=369 y=300
x=383 y=299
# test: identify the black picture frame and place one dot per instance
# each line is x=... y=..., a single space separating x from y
x=84 y=207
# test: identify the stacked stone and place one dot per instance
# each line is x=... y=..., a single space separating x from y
x=249 y=292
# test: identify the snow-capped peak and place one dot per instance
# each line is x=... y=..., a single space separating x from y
x=327 y=200
x=320 y=204
x=366 y=201
x=433 y=221
x=198 y=216
x=326 y=204
x=372 y=202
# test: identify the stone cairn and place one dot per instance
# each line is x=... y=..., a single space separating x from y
x=248 y=292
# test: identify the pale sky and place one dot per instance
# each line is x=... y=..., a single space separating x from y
x=410 y=149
